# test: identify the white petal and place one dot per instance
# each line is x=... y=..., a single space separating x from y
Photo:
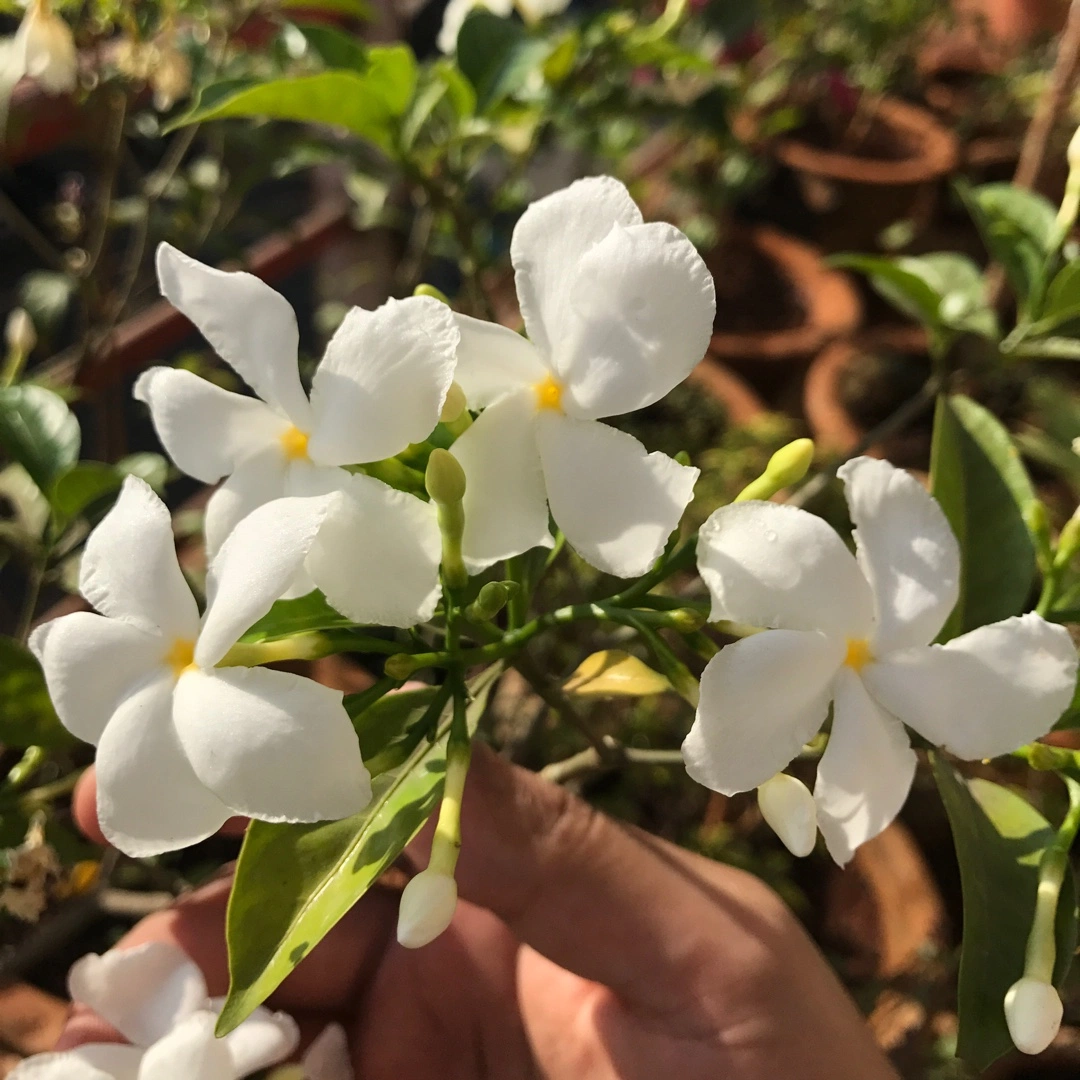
x=129 y=568
x=206 y=430
x=258 y=480
x=772 y=565
x=271 y=745
x=148 y=798
x=117 y=1061
x=328 y=1058
x=505 y=502
x=865 y=773
x=190 y=1050
x=984 y=693
x=641 y=315
x=548 y=242
x=263 y=1039
x=377 y=558
x=64 y=1066
x=616 y=503
x=144 y=992
x=91 y=663
x=493 y=361
x=255 y=566
x=251 y=327
x=762 y=699
x=906 y=550
x=305 y=478
x=383 y=381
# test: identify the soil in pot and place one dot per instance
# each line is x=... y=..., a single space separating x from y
x=777 y=303
x=860 y=174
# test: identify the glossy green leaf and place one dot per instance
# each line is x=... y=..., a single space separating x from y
x=392 y=728
x=497 y=55
x=979 y=480
x=1062 y=297
x=27 y=716
x=999 y=838
x=367 y=103
x=82 y=486
x=294 y=882
x=1018 y=228
x=903 y=282
x=39 y=431
x=288 y=617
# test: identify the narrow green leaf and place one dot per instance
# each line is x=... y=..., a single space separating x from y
x=288 y=617
x=979 y=480
x=1063 y=295
x=39 y=431
x=999 y=838
x=294 y=882
x=496 y=55
x=335 y=48
x=27 y=716
x=903 y=282
x=392 y=728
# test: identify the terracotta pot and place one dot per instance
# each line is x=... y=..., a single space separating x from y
x=834 y=183
x=829 y=304
x=832 y=425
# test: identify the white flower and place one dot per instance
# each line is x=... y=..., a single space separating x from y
x=380 y=387
x=618 y=312
x=182 y=744
x=156 y=998
x=857 y=634
x=44 y=49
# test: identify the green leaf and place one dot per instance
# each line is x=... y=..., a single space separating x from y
x=153 y=468
x=82 y=486
x=391 y=729
x=1018 y=228
x=27 y=716
x=1062 y=297
x=905 y=283
x=294 y=882
x=288 y=617
x=358 y=9
x=335 y=48
x=39 y=431
x=366 y=103
x=979 y=480
x=999 y=839
x=496 y=55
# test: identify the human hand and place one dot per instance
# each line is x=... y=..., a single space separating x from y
x=581 y=948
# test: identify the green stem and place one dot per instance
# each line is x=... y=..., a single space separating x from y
x=1041 y=953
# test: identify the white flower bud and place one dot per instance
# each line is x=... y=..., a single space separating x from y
x=427 y=906
x=788 y=807
x=20 y=333
x=1033 y=1012
x=1073 y=153
x=45 y=49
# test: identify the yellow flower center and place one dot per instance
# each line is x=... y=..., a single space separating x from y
x=294 y=442
x=549 y=394
x=181 y=657
x=858 y=653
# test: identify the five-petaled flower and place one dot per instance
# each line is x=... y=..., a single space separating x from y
x=857 y=632
x=157 y=999
x=618 y=312
x=181 y=743
x=381 y=385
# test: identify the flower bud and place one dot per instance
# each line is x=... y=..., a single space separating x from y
x=1033 y=1012
x=1068 y=542
x=445 y=478
x=489 y=602
x=399 y=666
x=786 y=467
x=423 y=289
x=454 y=405
x=45 y=49
x=788 y=807
x=19 y=332
x=427 y=906
x=1073 y=153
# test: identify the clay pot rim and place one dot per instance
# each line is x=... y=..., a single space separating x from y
x=829 y=422
x=722 y=384
x=830 y=301
x=937 y=156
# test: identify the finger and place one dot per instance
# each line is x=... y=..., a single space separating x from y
x=596 y=898
x=84 y=811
